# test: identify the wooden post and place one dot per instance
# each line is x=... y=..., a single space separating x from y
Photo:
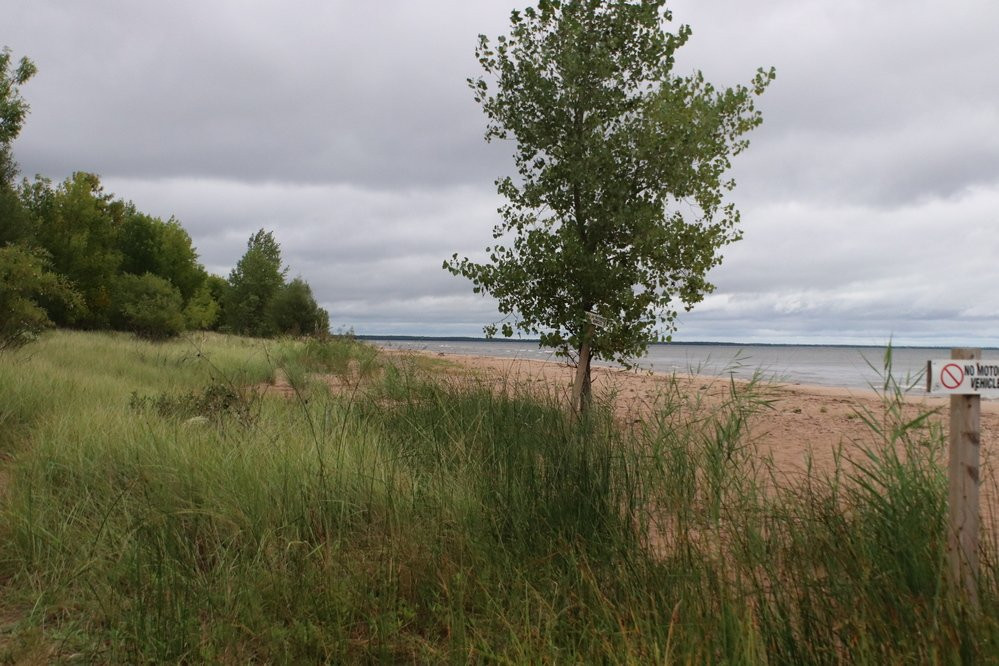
x=965 y=441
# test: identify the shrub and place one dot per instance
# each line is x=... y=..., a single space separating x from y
x=149 y=306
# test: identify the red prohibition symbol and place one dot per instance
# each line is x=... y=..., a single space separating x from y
x=951 y=376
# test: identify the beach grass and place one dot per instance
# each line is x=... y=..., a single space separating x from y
x=161 y=504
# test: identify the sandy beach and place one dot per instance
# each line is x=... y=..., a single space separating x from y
x=798 y=424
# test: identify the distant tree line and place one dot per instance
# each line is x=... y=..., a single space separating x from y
x=72 y=255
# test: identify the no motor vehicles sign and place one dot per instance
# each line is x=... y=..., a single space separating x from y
x=963 y=377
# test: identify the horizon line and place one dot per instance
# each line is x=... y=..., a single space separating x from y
x=469 y=338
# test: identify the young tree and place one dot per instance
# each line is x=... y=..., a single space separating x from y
x=253 y=283
x=617 y=212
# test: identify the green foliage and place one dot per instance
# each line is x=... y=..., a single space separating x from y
x=148 y=305
x=325 y=356
x=13 y=109
x=139 y=243
x=25 y=278
x=150 y=245
x=78 y=223
x=617 y=208
x=294 y=311
x=253 y=284
x=218 y=287
x=28 y=286
x=202 y=310
x=15 y=224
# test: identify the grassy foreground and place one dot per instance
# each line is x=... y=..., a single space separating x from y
x=156 y=507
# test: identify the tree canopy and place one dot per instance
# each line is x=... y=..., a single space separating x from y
x=616 y=213
x=77 y=222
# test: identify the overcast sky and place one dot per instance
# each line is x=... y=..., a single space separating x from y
x=869 y=197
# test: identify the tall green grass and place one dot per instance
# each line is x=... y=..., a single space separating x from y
x=159 y=506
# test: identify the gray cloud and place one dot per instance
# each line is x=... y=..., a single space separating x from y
x=322 y=92
x=868 y=195
x=874 y=102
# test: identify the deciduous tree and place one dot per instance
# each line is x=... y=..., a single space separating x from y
x=202 y=310
x=25 y=279
x=294 y=310
x=253 y=283
x=617 y=211
x=78 y=224
x=13 y=109
x=15 y=223
x=150 y=245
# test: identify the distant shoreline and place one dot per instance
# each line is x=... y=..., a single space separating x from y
x=675 y=343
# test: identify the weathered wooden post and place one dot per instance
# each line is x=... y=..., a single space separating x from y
x=965 y=442
x=965 y=378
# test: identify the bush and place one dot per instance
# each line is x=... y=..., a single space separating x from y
x=149 y=306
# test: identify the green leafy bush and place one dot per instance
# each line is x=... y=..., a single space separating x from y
x=149 y=306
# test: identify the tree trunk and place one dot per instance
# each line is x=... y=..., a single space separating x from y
x=582 y=389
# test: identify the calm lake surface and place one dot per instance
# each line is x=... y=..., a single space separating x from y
x=848 y=367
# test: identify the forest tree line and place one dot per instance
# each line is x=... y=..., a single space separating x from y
x=72 y=255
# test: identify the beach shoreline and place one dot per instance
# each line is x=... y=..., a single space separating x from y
x=800 y=427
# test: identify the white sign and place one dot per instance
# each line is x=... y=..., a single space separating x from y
x=963 y=377
x=597 y=320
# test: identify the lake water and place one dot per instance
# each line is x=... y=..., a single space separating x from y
x=848 y=367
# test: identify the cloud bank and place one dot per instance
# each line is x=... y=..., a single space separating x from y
x=868 y=196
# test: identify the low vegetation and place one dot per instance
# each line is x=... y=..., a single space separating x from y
x=160 y=505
